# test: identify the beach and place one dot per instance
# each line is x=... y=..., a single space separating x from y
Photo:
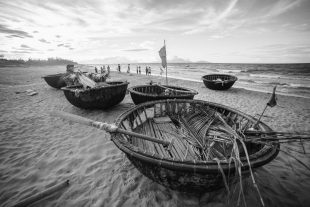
x=38 y=150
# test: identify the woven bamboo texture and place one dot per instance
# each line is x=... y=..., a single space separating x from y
x=146 y=93
x=211 y=81
x=187 y=167
x=96 y=98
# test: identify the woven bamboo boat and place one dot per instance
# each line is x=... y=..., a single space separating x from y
x=96 y=98
x=219 y=81
x=56 y=80
x=145 y=93
x=186 y=166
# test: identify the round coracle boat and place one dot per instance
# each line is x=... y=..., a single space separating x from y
x=219 y=81
x=56 y=80
x=146 y=93
x=206 y=143
x=105 y=96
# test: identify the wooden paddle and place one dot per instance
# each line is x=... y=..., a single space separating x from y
x=176 y=90
x=111 y=128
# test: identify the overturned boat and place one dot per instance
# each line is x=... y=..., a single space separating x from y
x=145 y=93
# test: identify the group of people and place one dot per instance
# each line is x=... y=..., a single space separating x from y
x=148 y=70
x=103 y=70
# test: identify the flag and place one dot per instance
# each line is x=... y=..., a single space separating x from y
x=273 y=99
x=162 y=55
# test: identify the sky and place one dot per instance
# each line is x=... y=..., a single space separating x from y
x=127 y=31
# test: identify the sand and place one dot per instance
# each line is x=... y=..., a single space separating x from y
x=38 y=150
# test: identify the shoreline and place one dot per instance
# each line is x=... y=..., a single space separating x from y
x=197 y=81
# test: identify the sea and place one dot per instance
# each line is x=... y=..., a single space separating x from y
x=290 y=79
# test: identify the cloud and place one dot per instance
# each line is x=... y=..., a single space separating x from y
x=44 y=41
x=281 y=7
x=135 y=50
x=4 y=29
x=65 y=45
x=109 y=60
x=13 y=36
x=25 y=46
x=23 y=49
x=177 y=59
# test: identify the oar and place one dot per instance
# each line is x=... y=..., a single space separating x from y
x=176 y=90
x=274 y=136
x=111 y=128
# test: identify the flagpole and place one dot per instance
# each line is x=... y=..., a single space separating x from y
x=166 y=63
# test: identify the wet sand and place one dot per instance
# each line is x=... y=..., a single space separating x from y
x=38 y=150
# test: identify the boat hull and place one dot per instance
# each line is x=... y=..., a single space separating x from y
x=147 y=93
x=97 y=98
x=211 y=83
x=56 y=80
x=189 y=175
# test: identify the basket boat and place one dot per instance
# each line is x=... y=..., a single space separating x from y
x=183 y=167
x=96 y=98
x=145 y=93
x=219 y=81
x=56 y=80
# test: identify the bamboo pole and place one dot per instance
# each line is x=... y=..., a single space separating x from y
x=166 y=63
x=111 y=128
x=179 y=91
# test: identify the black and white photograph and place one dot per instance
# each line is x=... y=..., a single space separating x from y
x=155 y=103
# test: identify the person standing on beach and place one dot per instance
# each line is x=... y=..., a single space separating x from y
x=128 y=70
x=139 y=69
x=108 y=68
x=149 y=70
x=161 y=71
x=103 y=69
x=96 y=70
x=146 y=70
x=119 y=68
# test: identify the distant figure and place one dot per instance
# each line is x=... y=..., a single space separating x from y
x=139 y=69
x=108 y=68
x=119 y=68
x=161 y=71
x=149 y=70
x=103 y=69
x=128 y=70
x=96 y=70
x=146 y=70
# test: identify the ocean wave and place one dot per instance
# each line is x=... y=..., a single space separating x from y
x=298 y=86
x=265 y=75
x=228 y=71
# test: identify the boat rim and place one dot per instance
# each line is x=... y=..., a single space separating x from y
x=259 y=158
x=234 y=78
x=53 y=75
x=131 y=90
x=73 y=87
